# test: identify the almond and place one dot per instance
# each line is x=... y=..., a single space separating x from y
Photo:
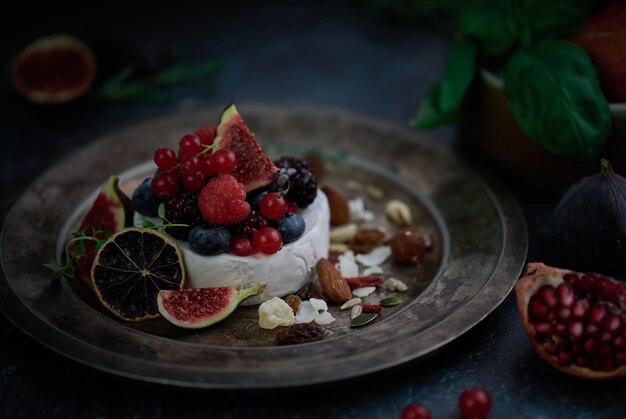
x=366 y=240
x=408 y=245
x=333 y=284
x=338 y=203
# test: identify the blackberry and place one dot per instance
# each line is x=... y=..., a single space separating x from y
x=296 y=174
x=249 y=226
x=183 y=209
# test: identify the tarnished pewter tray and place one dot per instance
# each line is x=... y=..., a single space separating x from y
x=477 y=230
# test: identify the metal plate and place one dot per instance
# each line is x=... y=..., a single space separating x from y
x=479 y=247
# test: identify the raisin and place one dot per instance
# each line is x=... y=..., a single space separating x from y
x=372 y=308
x=299 y=333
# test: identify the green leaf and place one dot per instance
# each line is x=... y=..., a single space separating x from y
x=489 y=22
x=148 y=224
x=442 y=101
x=161 y=211
x=532 y=20
x=555 y=95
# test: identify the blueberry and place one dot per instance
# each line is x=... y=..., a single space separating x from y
x=291 y=227
x=255 y=200
x=206 y=240
x=144 y=201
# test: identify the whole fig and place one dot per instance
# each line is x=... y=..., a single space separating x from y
x=589 y=223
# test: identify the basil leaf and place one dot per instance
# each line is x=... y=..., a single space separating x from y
x=539 y=19
x=442 y=101
x=489 y=22
x=555 y=95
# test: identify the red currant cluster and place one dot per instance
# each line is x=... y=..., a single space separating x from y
x=197 y=160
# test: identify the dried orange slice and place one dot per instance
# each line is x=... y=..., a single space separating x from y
x=132 y=267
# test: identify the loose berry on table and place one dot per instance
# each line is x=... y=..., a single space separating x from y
x=474 y=403
x=415 y=411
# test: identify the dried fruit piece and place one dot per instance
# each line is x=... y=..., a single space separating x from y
x=294 y=302
x=338 y=203
x=299 y=333
x=193 y=308
x=364 y=281
x=569 y=316
x=54 y=69
x=372 y=308
x=275 y=312
x=333 y=284
x=366 y=239
x=253 y=168
x=132 y=267
x=408 y=246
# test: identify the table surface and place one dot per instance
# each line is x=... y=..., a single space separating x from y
x=326 y=54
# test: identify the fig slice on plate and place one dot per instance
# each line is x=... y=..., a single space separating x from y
x=253 y=168
x=193 y=308
x=54 y=69
x=575 y=321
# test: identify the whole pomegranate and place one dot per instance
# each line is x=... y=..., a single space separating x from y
x=575 y=321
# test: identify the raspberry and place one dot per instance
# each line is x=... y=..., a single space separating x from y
x=183 y=209
x=297 y=175
x=249 y=226
x=206 y=133
x=222 y=201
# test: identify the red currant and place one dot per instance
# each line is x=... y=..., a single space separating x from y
x=474 y=403
x=415 y=411
x=292 y=207
x=224 y=160
x=241 y=246
x=165 y=158
x=267 y=240
x=273 y=206
x=164 y=185
x=190 y=163
x=193 y=180
x=189 y=145
x=207 y=166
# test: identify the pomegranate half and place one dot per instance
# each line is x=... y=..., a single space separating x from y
x=575 y=321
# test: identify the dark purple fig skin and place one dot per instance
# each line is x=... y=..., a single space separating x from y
x=589 y=223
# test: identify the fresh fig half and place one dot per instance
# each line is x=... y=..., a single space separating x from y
x=54 y=69
x=575 y=321
x=110 y=213
x=193 y=308
x=253 y=168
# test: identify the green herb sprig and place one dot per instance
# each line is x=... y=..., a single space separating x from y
x=165 y=224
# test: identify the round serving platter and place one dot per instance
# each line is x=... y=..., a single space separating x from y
x=477 y=231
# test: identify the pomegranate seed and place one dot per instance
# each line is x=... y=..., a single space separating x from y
x=551 y=347
x=590 y=346
x=577 y=349
x=605 y=337
x=609 y=365
x=595 y=364
x=565 y=358
x=606 y=289
x=619 y=343
x=565 y=294
x=571 y=278
x=560 y=329
x=605 y=352
x=547 y=295
x=621 y=357
x=586 y=282
x=580 y=308
x=597 y=314
x=564 y=313
x=581 y=361
x=591 y=329
x=543 y=328
x=612 y=323
x=536 y=309
x=576 y=330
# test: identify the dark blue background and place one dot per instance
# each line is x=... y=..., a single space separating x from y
x=331 y=53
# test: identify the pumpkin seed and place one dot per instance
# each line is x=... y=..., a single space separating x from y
x=363 y=319
x=390 y=301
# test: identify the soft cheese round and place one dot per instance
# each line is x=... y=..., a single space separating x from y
x=284 y=272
